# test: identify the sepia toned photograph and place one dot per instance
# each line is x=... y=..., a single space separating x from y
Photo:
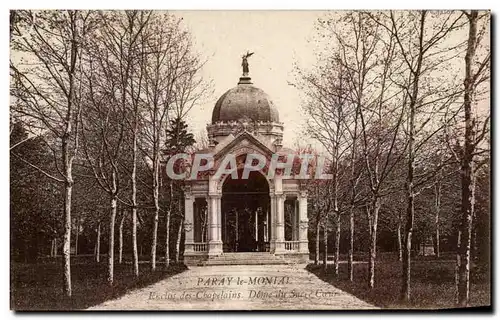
x=250 y=160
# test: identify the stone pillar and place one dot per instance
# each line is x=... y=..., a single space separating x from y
x=209 y=217
x=294 y=221
x=297 y=219
x=189 y=223
x=219 y=217
x=266 y=229
x=272 y=227
x=279 y=245
x=303 y=223
x=257 y=226
x=214 y=243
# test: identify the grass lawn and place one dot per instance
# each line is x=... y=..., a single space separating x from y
x=433 y=284
x=39 y=286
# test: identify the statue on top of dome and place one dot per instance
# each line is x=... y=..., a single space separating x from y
x=244 y=63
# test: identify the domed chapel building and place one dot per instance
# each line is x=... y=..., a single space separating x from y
x=244 y=221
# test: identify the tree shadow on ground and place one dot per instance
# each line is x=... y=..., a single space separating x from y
x=39 y=286
x=432 y=284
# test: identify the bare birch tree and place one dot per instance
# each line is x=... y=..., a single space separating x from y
x=114 y=85
x=369 y=60
x=423 y=42
x=120 y=236
x=370 y=121
x=103 y=137
x=169 y=65
x=47 y=87
x=476 y=72
x=325 y=106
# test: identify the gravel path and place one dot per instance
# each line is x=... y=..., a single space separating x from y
x=273 y=287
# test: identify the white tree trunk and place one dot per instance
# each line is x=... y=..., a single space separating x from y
x=337 y=243
x=400 y=239
x=167 y=225
x=167 y=238
x=120 y=238
x=154 y=240
x=457 y=266
x=156 y=192
x=98 y=244
x=68 y=191
x=135 y=256
x=325 y=243
x=410 y=193
x=178 y=244
x=350 y=263
x=373 y=219
x=111 y=243
x=467 y=167
x=437 y=236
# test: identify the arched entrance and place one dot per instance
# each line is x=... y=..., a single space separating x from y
x=245 y=213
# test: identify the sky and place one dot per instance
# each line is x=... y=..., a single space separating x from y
x=279 y=40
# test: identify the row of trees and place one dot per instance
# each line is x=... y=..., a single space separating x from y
x=398 y=100
x=107 y=92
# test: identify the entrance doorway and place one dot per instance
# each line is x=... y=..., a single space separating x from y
x=246 y=213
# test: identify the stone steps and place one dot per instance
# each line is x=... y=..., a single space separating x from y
x=244 y=258
x=236 y=262
x=246 y=255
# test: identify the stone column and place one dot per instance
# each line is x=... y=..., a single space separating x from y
x=294 y=221
x=214 y=243
x=257 y=226
x=297 y=219
x=189 y=222
x=272 y=227
x=219 y=217
x=280 y=224
x=209 y=217
x=303 y=223
x=266 y=229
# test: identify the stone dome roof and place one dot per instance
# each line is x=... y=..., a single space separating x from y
x=245 y=102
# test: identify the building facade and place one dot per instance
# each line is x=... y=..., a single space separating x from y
x=258 y=214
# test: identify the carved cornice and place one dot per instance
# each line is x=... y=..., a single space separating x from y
x=235 y=144
x=246 y=125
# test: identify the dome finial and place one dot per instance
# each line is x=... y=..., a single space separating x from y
x=244 y=63
x=245 y=79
